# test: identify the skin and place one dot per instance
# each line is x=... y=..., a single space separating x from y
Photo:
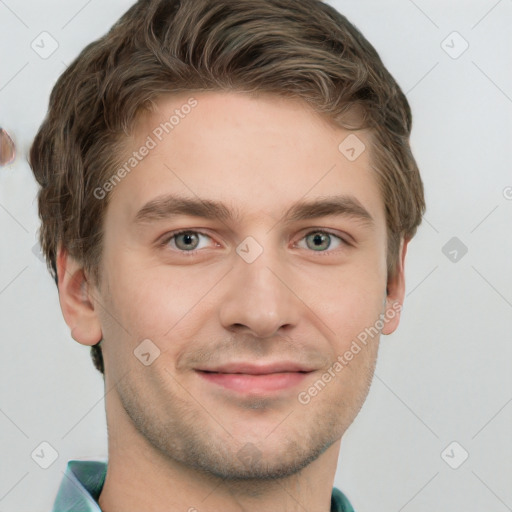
x=175 y=439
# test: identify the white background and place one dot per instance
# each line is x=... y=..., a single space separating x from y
x=444 y=376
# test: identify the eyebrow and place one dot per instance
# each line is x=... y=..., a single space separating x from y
x=168 y=206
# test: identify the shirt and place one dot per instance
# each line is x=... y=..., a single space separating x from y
x=83 y=481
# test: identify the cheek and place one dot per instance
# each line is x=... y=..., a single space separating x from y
x=346 y=299
x=354 y=316
x=157 y=301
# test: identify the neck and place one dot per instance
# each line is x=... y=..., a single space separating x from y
x=140 y=477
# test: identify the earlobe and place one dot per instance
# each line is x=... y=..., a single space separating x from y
x=395 y=292
x=75 y=297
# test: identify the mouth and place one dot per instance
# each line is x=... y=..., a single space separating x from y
x=252 y=379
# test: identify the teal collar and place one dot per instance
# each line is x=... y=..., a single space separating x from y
x=83 y=480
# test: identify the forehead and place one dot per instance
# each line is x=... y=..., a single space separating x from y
x=256 y=153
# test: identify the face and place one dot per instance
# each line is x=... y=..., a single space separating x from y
x=243 y=295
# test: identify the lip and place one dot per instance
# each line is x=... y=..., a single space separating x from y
x=262 y=378
x=262 y=383
x=259 y=369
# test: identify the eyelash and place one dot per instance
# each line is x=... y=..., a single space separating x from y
x=164 y=243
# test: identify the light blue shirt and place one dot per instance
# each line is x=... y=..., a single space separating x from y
x=83 y=480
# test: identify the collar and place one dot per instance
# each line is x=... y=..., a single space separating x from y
x=81 y=486
x=83 y=481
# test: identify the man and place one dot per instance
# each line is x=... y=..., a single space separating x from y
x=227 y=195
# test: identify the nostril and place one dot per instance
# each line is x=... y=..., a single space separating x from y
x=7 y=148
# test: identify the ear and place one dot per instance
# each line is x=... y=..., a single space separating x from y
x=75 y=300
x=395 y=292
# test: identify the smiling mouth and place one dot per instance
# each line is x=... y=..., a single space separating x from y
x=260 y=383
x=254 y=374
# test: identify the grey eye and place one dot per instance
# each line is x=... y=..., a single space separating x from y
x=187 y=240
x=7 y=148
x=318 y=240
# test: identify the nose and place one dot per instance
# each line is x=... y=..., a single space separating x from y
x=259 y=297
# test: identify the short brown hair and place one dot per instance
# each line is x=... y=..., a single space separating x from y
x=302 y=49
